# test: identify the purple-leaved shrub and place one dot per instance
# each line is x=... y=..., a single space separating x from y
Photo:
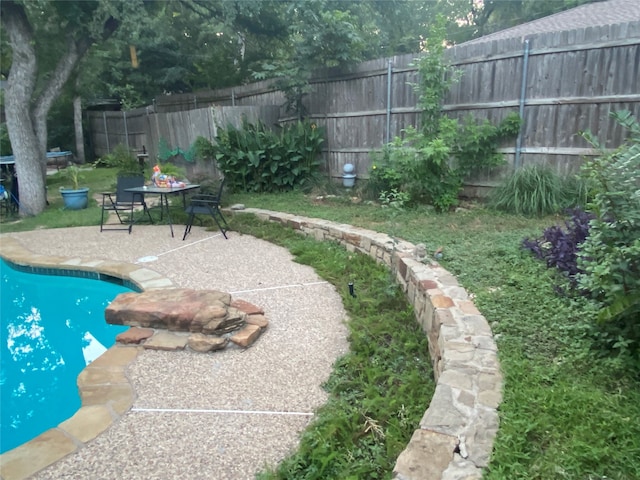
x=559 y=246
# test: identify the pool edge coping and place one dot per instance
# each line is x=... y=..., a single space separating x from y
x=106 y=392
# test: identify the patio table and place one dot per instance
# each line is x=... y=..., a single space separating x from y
x=163 y=193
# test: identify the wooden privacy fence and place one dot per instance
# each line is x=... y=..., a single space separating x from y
x=561 y=83
x=144 y=128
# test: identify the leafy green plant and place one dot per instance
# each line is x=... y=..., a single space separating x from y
x=394 y=199
x=203 y=149
x=254 y=158
x=123 y=160
x=432 y=170
x=74 y=175
x=610 y=256
x=430 y=164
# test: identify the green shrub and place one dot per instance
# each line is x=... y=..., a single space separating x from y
x=610 y=256
x=256 y=159
x=429 y=165
x=122 y=159
x=536 y=190
x=432 y=170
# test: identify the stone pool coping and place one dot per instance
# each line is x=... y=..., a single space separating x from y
x=105 y=391
x=458 y=429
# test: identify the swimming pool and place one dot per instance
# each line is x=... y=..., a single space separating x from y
x=52 y=327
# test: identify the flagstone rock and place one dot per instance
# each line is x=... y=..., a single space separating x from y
x=259 y=320
x=246 y=307
x=173 y=308
x=134 y=335
x=164 y=340
x=212 y=318
x=246 y=336
x=199 y=342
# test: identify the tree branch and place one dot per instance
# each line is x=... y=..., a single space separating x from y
x=76 y=49
x=22 y=74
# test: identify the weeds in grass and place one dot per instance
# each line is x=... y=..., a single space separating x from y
x=380 y=389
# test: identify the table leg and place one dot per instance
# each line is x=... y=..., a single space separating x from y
x=166 y=202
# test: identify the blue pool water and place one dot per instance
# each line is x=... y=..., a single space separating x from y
x=52 y=327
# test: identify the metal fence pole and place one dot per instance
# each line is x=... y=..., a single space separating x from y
x=106 y=130
x=126 y=130
x=523 y=93
x=389 y=82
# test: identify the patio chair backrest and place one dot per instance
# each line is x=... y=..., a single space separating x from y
x=123 y=196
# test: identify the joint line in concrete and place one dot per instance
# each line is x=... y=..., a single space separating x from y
x=201 y=410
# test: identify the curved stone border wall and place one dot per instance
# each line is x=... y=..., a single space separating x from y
x=456 y=433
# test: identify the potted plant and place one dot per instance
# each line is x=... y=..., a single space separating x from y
x=75 y=198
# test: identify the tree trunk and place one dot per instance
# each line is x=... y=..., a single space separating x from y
x=27 y=150
x=77 y=122
x=26 y=116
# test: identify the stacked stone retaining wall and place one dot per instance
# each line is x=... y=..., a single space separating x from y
x=456 y=434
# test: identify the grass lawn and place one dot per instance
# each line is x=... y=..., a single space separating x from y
x=568 y=411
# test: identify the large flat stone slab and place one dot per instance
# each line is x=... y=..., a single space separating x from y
x=30 y=457
x=426 y=457
x=164 y=340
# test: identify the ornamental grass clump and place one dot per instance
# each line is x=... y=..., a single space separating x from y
x=533 y=190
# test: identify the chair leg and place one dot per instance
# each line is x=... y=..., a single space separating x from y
x=187 y=228
x=131 y=219
x=226 y=225
x=222 y=230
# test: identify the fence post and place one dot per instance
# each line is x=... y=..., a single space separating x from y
x=389 y=82
x=523 y=93
x=106 y=131
x=126 y=130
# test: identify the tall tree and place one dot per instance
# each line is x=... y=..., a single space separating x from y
x=32 y=90
x=184 y=46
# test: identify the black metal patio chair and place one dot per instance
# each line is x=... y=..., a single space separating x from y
x=206 y=204
x=123 y=204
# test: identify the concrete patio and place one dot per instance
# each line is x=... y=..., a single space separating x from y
x=222 y=415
